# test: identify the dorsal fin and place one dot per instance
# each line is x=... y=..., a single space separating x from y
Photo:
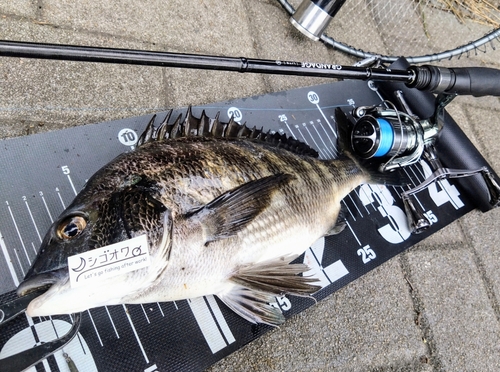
x=204 y=126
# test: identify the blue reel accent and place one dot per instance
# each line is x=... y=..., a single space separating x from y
x=386 y=138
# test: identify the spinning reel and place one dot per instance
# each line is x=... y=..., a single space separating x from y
x=399 y=139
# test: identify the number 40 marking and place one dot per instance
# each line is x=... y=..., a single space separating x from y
x=447 y=193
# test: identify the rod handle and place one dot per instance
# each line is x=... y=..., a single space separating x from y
x=475 y=81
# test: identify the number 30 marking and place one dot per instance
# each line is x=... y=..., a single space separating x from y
x=313 y=97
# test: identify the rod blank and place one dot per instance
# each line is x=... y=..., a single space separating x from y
x=475 y=81
x=196 y=61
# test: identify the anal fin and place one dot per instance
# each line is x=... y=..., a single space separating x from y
x=253 y=306
x=258 y=284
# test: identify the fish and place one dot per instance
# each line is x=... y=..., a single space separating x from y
x=226 y=209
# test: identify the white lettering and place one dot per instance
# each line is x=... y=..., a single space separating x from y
x=106 y=262
x=323 y=66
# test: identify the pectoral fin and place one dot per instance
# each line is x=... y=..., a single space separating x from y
x=224 y=216
x=257 y=285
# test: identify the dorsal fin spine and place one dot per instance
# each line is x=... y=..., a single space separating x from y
x=163 y=130
x=190 y=124
x=204 y=126
x=175 y=132
x=146 y=135
x=217 y=129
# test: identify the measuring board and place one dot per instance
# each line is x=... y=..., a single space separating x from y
x=41 y=174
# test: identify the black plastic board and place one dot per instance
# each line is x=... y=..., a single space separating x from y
x=41 y=174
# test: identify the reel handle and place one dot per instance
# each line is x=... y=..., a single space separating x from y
x=454 y=147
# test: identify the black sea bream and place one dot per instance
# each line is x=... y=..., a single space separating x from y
x=225 y=209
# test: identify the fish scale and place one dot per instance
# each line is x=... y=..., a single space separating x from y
x=225 y=208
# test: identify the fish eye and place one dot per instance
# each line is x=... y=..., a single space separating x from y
x=71 y=227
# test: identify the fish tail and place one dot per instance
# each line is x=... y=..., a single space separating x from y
x=372 y=170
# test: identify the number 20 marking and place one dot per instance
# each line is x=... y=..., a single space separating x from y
x=235 y=113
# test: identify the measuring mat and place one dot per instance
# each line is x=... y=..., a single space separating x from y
x=41 y=174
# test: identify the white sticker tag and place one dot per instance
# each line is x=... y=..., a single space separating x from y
x=108 y=261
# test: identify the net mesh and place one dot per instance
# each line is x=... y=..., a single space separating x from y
x=412 y=27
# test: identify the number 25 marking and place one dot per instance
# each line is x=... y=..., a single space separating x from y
x=367 y=254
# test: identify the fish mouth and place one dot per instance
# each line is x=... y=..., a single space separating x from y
x=40 y=283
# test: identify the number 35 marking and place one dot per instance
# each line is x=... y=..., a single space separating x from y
x=396 y=231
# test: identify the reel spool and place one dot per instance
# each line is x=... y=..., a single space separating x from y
x=374 y=137
x=391 y=135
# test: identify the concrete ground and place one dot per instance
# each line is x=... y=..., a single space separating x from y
x=433 y=308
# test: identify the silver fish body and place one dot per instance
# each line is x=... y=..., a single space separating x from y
x=224 y=215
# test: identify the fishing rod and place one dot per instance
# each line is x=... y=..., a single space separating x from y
x=476 y=81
